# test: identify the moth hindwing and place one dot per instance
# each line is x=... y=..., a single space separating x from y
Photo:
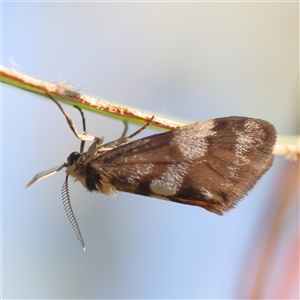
x=212 y=164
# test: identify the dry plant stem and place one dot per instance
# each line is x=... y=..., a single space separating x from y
x=291 y=150
x=63 y=94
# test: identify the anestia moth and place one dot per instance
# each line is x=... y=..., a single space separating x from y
x=212 y=164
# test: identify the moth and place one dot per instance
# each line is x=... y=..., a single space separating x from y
x=211 y=164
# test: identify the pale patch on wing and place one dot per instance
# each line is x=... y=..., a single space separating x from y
x=248 y=139
x=191 y=140
x=169 y=183
x=138 y=172
x=206 y=193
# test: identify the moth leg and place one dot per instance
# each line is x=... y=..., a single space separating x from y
x=82 y=143
x=127 y=139
x=125 y=129
x=84 y=136
x=124 y=140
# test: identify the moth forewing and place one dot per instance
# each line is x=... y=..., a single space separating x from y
x=212 y=164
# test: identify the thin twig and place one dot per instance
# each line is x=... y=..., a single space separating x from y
x=64 y=94
x=289 y=149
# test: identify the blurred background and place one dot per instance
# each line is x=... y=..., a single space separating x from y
x=190 y=61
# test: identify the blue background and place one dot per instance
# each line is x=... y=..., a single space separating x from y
x=190 y=61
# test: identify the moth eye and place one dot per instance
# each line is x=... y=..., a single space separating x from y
x=73 y=157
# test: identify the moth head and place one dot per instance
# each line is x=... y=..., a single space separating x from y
x=73 y=157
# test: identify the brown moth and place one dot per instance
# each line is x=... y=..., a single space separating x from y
x=212 y=164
